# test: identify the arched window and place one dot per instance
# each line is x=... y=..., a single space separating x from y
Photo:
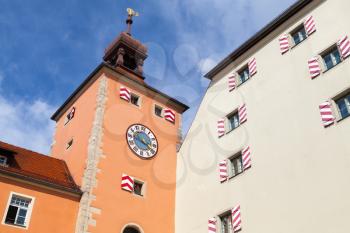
x=131 y=230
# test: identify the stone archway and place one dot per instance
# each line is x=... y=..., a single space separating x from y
x=132 y=228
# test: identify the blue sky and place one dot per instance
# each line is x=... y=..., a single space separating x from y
x=49 y=47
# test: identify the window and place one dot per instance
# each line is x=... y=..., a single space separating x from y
x=233 y=121
x=226 y=223
x=69 y=116
x=3 y=160
x=134 y=99
x=299 y=35
x=18 y=210
x=343 y=104
x=243 y=74
x=69 y=144
x=158 y=110
x=236 y=165
x=138 y=187
x=331 y=57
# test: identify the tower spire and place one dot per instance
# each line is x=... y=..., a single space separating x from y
x=129 y=21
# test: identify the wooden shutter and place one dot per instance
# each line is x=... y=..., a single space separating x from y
x=125 y=93
x=284 y=43
x=326 y=114
x=127 y=183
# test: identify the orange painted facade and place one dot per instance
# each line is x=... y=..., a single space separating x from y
x=154 y=212
x=52 y=212
x=79 y=130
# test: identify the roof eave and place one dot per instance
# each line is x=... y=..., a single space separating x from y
x=75 y=191
x=87 y=80
x=287 y=14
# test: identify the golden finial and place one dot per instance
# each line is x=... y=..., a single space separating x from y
x=131 y=13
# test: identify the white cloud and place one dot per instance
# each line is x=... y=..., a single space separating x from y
x=205 y=65
x=26 y=123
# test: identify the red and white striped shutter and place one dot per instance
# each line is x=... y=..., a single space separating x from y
x=284 y=44
x=169 y=115
x=71 y=114
x=309 y=25
x=212 y=225
x=344 y=46
x=236 y=218
x=242 y=113
x=252 y=67
x=246 y=158
x=314 y=67
x=127 y=183
x=326 y=113
x=232 y=82
x=125 y=93
x=223 y=171
x=221 y=127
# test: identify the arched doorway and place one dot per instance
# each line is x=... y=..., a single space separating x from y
x=131 y=230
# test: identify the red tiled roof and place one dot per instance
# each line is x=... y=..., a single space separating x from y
x=39 y=168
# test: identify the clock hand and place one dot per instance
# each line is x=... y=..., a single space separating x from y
x=144 y=142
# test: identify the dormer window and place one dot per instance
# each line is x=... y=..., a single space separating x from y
x=3 y=160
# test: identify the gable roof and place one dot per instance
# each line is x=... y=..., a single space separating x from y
x=37 y=168
x=291 y=11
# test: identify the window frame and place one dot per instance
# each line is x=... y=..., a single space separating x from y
x=240 y=71
x=294 y=31
x=71 y=141
x=29 y=210
x=133 y=95
x=226 y=213
x=327 y=51
x=335 y=106
x=66 y=119
x=161 y=110
x=143 y=188
x=4 y=164
x=235 y=156
x=228 y=122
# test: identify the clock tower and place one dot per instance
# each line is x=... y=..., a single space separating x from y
x=119 y=137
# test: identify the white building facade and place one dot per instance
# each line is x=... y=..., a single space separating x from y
x=269 y=148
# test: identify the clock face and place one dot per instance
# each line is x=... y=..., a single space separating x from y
x=142 y=141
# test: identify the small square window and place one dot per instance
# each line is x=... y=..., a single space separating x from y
x=69 y=116
x=226 y=223
x=243 y=75
x=69 y=144
x=343 y=105
x=18 y=211
x=299 y=35
x=233 y=120
x=236 y=165
x=331 y=57
x=135 y=100
x=158 y=111
x=3 y=160
x=138 y=187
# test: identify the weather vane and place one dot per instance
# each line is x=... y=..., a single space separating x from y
x=131 y=13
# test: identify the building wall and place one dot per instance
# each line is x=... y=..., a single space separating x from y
x=299 y=174
x=155 y=211
x=52 y=212
x=78 y=129
x=105 y=207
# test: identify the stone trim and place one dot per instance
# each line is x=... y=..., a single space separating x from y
x=89 y=181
